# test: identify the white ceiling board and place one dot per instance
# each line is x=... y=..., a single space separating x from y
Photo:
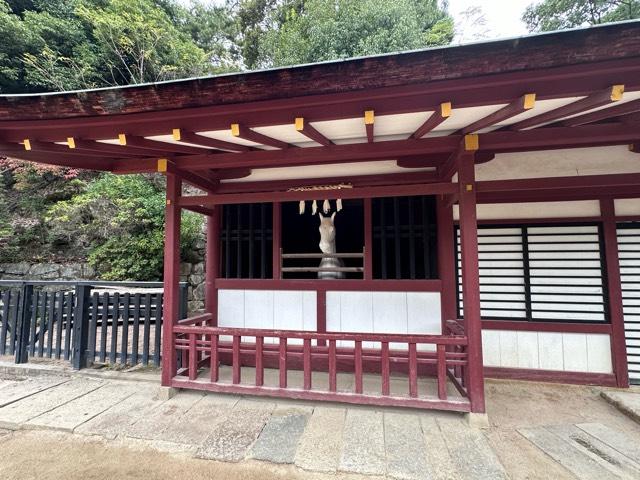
x=560 y=163
x=540 y=107
x=402 y=124
x=227 y=137
x=170 y=139
x=286 y=133
x=327 y=171
x=341 y=129
x=461 y=117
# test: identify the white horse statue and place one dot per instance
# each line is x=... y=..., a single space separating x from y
x=328 y=245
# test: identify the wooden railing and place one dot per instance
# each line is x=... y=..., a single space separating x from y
x=311 y=256
x=421 y=365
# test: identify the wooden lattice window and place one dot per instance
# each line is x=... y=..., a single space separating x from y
x=246 y=241
x=404 y=238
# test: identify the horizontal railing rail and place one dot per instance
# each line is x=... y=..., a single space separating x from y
x=419 y=358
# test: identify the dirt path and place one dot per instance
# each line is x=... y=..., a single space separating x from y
x=45 y=455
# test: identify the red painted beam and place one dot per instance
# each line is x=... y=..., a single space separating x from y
x=423 y=161
x=597 y=99
x=170 y=168
x=201 y=210
x=345 y=193
x=168 y=148
x=240 y=131
x=592 y=182
x=522 y=104
x=182 y=135
x=439 y=115
x=605 y=113
x=308 y=130
x=60 y=160
x=230 y=174
x=356 y=181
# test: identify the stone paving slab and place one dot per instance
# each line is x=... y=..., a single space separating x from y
x=567 y=455
x=76 y=412
x=15 y=414
x=121 y=416
x=200 y=420
x=321 y=443
x=279 y=439
x=12 y=391
x=232 y=439
x=470 y=451
x=363 y=444
x=436 y=450
x=152 y=426
x=626 y=402
x=602 y=453
x=405 y=447
x=615 y=439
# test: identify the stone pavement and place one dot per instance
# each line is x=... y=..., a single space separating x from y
x=402 y=444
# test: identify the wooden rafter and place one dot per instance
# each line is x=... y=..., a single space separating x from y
x=423 y=161
x=141 y=142
x=522 y=104
x=306 y=129
x=182 y=135
x=240 y=131
x=369 y=120
x=38 y=146
x=500 y=141
x=82 y=145
x=439 y=115
x=595 y=100
x=166 y=166
x=605 y=113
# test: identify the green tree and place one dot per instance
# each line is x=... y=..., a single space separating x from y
x=138 y=43
x=563 y=14
x=299 y=31
x=120 y=221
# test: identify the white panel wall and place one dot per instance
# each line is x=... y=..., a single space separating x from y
x=384 y=312
x=627 y=206
x=571 y=352
x=268 y=309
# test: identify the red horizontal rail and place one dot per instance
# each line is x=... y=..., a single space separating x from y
x=330 y=285
x=205 y=317
x=344 y=336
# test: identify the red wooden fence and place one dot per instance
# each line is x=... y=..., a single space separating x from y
x=206 y=350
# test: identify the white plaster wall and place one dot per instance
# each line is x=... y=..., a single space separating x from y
x=384 y=312
x=514 y=211
x=571 y=352
x=268 y=309
x=560 y=163
x=627 y=206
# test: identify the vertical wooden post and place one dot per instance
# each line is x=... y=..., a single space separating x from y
x=212 y=266
x=446 y=261
x=276 y=236
x=171 y=276
x=470 y=273
x=368 y=241
x=614 y=290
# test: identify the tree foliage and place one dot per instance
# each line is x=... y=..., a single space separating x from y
x=298 y=31
x=562 y=14
x=120 y=221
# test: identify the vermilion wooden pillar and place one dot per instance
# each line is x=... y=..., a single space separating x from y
x=446 y=260
x=470 y=277
x=171 y=276
x=212 y=265
x=614 y=289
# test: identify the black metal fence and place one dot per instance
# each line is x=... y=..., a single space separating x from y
x=83 y=322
